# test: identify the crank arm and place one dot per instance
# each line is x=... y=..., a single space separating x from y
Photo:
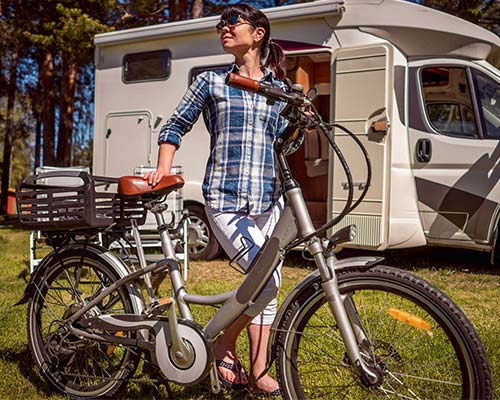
x=179 y=350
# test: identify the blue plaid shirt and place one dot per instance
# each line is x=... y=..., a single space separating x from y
x=240 y=174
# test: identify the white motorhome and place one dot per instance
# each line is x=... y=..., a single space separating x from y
x=435 y=167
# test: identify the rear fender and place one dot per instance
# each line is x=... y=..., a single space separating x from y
x=104 y=254
x=348 y=263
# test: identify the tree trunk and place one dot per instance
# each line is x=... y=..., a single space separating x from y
x=9 y=132
x=66 y=107
x=48 y=107
x=197 y=9
x=38 y=144
x=177 y=10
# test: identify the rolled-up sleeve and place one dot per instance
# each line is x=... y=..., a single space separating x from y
x=186 y=113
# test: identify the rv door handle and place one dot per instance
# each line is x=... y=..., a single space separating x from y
x=359 y=185
x=424 y=150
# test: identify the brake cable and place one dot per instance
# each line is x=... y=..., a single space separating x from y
x=349 y=207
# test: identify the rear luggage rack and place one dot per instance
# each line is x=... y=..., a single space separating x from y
x=68 y=200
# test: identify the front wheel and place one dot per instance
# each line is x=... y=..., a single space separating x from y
x=418 y=340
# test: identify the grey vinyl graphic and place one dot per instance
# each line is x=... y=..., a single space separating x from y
x=461 y=208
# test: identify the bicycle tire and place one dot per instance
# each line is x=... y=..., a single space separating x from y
x=443 y=360
x=79 y=368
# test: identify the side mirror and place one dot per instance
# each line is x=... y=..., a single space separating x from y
x=377 y=124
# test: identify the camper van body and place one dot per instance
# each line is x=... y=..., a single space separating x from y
x=435 y=167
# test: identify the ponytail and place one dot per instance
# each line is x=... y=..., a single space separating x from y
x=275 y=59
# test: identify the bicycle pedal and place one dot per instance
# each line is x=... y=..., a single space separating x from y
x=158 y=306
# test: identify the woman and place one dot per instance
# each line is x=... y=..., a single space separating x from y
x=241 y=189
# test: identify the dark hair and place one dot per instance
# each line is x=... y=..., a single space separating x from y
x=271 y=52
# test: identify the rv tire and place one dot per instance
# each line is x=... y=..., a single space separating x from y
x=202 y=243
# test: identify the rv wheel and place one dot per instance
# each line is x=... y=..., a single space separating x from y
x=202 y=243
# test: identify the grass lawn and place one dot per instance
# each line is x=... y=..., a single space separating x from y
x=464 y=275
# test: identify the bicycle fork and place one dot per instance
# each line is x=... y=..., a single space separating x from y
x=345 y=314
x=341 y=307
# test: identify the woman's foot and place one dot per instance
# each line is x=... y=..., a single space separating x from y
x=230 y=371
x=266 y=385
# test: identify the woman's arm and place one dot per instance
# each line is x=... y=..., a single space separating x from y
x=181 y=122
x=165 y=156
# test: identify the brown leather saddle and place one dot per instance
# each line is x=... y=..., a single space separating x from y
x=136 y=186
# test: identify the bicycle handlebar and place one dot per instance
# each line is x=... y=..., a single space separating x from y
x=265 y=89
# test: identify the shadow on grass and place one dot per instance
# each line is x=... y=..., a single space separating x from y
x=200 y=391
x=438 y=258
x=134 y=390
x=22 y=358
x=9 y=221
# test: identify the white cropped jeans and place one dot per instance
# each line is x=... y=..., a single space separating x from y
x=233 y=229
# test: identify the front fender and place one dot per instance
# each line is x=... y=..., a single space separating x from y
x=104 y=254
x=347 y=263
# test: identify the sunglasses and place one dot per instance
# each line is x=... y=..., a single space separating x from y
x=231 y=23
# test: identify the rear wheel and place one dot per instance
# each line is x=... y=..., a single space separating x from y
x=76 y=366
x=418 y=340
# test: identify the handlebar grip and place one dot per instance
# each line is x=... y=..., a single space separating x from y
x=242 y=82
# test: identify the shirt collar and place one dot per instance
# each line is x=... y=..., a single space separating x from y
x=268 y=74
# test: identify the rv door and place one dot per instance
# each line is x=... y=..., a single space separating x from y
x=127 y=142
x=454 y=127
x=362 y=85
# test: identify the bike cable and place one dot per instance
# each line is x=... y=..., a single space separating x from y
x=349 y=207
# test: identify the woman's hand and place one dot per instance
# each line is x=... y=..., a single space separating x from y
x=165 y=156
x=154 y=177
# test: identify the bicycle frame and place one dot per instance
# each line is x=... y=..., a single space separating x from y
x=294 y=226
x=294 y=222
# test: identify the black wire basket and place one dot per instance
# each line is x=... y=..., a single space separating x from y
x=73 y=200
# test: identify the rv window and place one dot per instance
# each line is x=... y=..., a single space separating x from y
x=448 y=101
x=198 y=70
x=489 y=97
x=150 y=66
